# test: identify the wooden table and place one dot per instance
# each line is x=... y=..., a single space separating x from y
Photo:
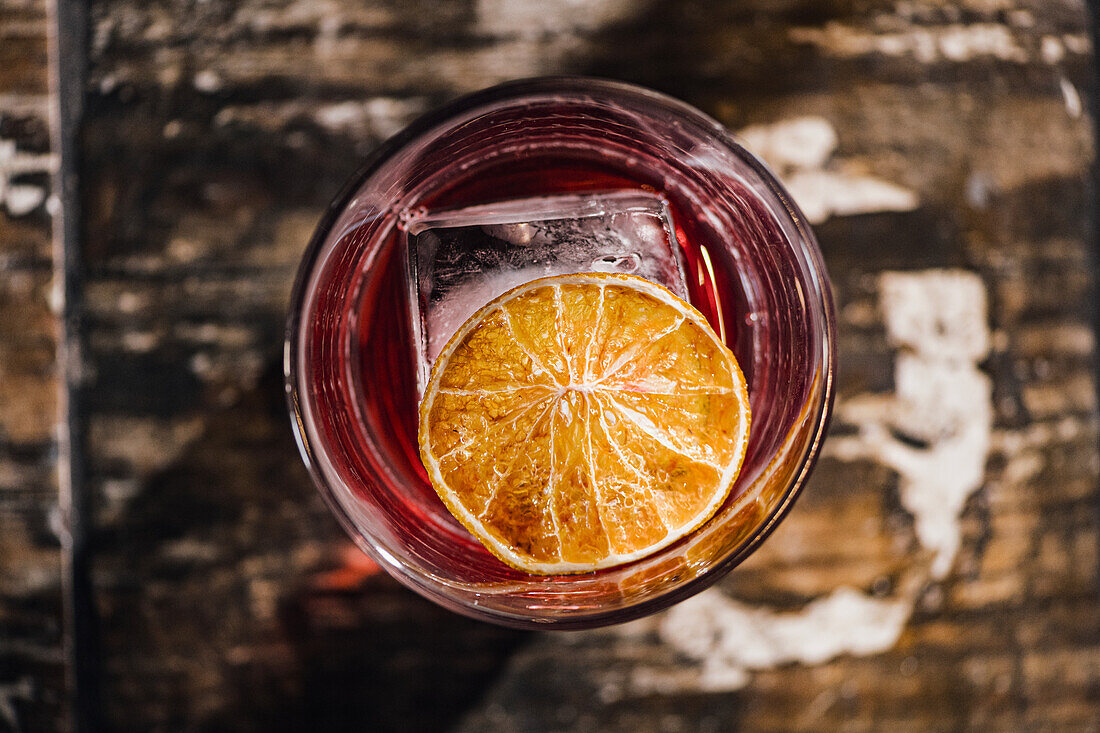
x=165 y=564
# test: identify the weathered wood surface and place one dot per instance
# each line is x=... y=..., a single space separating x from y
x=943 y=148
x=33 y=689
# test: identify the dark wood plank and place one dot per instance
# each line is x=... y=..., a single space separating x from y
x=33 y=686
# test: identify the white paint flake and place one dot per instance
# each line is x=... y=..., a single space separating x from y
x=1074 y=108
x=1051 y=50
x=799 y=142
x=379 y=117
x=799 y=151
x=927 y=44
x=24 y=104
x=730 y=638
x=207 y=81
x=509 y=18
x=21 y=199
x=1077 y=43
x=935 y=429
x=822 y=194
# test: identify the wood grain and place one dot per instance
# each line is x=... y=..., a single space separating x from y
x=214 y=135
x=33 y=687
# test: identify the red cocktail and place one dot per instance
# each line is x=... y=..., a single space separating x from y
x=748 y=263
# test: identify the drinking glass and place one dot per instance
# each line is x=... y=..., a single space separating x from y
x=748 y=261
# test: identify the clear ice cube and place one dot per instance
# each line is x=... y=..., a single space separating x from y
x=460 y=259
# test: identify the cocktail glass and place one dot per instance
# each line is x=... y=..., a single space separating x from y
x=367 y=303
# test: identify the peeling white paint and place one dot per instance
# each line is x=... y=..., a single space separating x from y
x=509 y=18
x=172 y=129
x=927 y=44
x=378 y=117
x=798 y=142
x=1078 y=43
x=955 y=42
x=823 y=194
x=1074 y=108
x=207 y=81
x=978 y=188
x=938 y=314
x=148 y=446
x=935 y=429
x=729 y=638
x=1025 y=450
x=799 y=151
x=1051 y=50
x=530 y=39
x=21 y=199
x=1038 y=435
x=141 y=342
x=24 y=104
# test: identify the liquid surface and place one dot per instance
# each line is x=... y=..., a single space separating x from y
x=384 y=365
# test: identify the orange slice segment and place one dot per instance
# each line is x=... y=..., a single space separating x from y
x=583 y=421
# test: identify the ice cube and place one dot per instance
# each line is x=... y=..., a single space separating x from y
x=460 y=259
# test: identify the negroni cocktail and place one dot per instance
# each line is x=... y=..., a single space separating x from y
x=543 y=179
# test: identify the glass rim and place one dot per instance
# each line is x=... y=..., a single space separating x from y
x=314 y=257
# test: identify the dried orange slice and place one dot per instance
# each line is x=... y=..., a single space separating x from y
x=583 y=421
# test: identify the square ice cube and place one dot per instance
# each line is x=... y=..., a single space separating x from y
x=460 y=259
